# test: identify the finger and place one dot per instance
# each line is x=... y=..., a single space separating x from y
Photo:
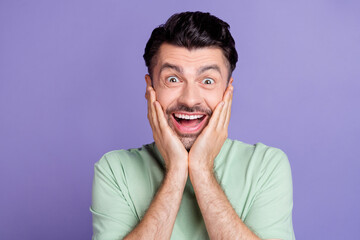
x=228 y=114
x=147 y=93
x=216 y=114
x=151 y=110
x=149 y=115
x=223 y=115
x=148 y=87
x=161 y=116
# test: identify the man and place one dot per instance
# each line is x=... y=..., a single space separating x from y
x=193 y=182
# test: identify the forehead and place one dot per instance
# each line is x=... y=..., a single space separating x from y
x=191 y=59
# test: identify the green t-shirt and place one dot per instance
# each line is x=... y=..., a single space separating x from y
x=255 y=178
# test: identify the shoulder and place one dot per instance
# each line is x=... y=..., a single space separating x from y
x=273 y=169
x=135 y=173
x=257 y=152
x=272 y=158
x=257 y=148
x=256 y=158
x=126 y=160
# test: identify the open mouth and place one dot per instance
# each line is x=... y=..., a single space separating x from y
x=188 y=120
x=189 y=123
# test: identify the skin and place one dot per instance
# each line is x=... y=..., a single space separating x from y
x=190 y=154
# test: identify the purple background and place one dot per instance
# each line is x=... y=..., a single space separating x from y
x=72 y=88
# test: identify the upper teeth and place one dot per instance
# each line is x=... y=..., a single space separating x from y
x=183 y=116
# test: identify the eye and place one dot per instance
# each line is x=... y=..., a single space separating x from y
x=173 y=79
x=208 y=81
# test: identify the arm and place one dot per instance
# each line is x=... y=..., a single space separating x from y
x=159 y=220
x=220 y=218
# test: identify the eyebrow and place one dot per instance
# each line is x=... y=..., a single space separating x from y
x=170 y=66
x=209 y=67
x=180 y=70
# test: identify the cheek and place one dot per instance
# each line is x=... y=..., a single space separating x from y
x=213 y=99
x=165 y=97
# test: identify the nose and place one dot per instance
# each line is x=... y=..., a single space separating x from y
x=190 y=95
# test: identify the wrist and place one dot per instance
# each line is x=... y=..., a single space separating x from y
x=177 y=175
x=201 y=174
x=201 y=167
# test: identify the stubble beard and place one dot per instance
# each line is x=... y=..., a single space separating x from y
x=186 y=139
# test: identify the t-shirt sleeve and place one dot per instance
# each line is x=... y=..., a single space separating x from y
x=271 y=213
x=113 y=214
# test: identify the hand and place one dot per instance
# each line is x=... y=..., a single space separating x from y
x=169 y=145
x=207 y=146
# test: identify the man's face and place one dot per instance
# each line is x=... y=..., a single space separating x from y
x=189 y=84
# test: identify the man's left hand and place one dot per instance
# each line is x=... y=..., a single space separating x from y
x=207 y=146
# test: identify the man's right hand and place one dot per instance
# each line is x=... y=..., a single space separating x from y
x=169 y=145
x=159 y=219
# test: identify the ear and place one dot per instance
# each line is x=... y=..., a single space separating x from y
x=231 y=80
x=148 y=80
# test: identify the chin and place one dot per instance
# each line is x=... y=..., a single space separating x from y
x=188 y=142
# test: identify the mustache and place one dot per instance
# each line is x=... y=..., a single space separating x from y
x=184 y=108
